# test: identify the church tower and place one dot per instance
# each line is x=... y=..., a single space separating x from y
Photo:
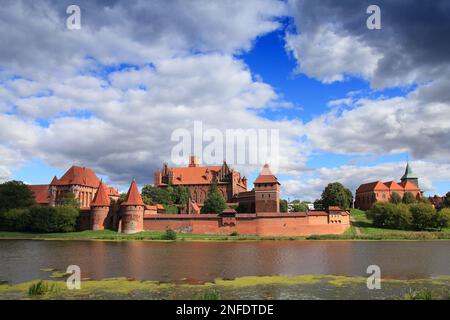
x=267 y=192
x=410 y=176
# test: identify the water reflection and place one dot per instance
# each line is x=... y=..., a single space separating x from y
x=23 y=260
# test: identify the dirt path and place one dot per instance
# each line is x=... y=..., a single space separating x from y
x=353 y=221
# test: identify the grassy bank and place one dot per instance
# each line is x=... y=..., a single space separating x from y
x=360 y=222
x=267 y=287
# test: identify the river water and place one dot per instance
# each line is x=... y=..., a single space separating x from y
x=23 y=260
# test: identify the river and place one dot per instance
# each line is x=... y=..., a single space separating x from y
x=23 y=260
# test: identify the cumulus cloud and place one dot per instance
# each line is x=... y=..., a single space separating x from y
x=331 y=40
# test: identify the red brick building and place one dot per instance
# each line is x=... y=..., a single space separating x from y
x=80 y=181
x=198 y=180
x=368 y=194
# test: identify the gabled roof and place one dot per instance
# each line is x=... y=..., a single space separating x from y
x=194 y=175
x=392 y=185
x=113 y=191
x=77 y=176
x=133 y=196
x=40 y=192
x=372 y=186
x=409 y=186
x=266 y=176
x=101 y=198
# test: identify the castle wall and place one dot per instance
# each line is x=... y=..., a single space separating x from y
x=267 y=224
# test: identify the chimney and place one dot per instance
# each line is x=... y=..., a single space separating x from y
x=193 y=161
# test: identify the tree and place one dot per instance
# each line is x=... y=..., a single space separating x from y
x=335 y=194
x=408 y=198
x=423 y=216
x=299 y=207
x=214 y=203
x=153 y=195
x=318 y=205
x=446 y=202
x=180 y=196
x=442 y=218
x=389 y=215
x=15 y=194
x=283 y=205
x=396 y=198
x=69 y=200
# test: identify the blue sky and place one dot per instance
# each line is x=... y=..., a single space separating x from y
x=110 y=99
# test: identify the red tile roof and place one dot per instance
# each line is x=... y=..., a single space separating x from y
x=194 y=175
x=409 y=186
x=113 y=191
x=372 y=186
x=40 y=192
x=101 y=198
x=334 y=208
x=78 y=176
x=392 y=185
x=266 y=176
x=133 y=196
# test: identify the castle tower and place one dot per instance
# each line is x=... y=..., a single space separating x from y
x=194 y=161
x=132 y=211
x=410 y=175
x=100 y=208
x=267 y=192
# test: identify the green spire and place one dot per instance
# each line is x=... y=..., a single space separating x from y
x=409 y=174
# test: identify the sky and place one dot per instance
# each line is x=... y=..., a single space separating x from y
x=350 y=104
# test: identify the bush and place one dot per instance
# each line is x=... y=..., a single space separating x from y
x=408 y=198
x=169 y=235
x=396 y=198
x=41 y=288
x=15 y=220
x=423 y=216
x=15 y=194
x=389 y=215
x=170 y=209
x=442 y=219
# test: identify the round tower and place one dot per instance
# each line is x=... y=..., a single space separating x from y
x=100 y=208
x=132 y=211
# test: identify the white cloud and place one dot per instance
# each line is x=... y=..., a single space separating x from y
x=327 y=55
x=310 y=187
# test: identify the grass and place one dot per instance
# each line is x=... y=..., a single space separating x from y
x=42 y=287
x=254 y=287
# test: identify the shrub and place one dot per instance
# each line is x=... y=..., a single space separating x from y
x=41 y=288
x=423 y=216
x=208 y=295
x=442 y=219
x=422 y=294
x=53 y=219
x=15 y=219
x=396 y=198
x=169 y=235
x=389 y=215
x=170 y=209
x=408 y=198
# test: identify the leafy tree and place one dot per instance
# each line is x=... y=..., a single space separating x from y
x=442 y=218
x=335 y=194
x=69 y=200
x=180 y=196
x=170 y=209
x=283 y=205
x=423 y=216
x=153 y=195
x=214 y=203
x=16 y=219
x=446 y=202
x=389 y=215
x=15 y=194
x=408 y=198
x=396 y=198
x=299 y=207
x=318 y=205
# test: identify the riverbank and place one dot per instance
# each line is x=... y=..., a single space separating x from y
x=361 y=229
x=268 y=287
